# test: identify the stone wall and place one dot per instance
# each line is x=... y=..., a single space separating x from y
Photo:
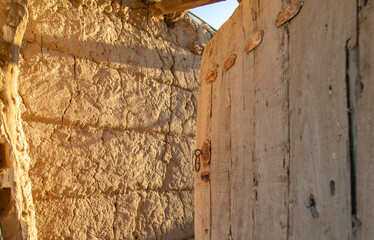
x=108 y=109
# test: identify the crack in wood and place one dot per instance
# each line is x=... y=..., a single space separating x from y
x=353 y=86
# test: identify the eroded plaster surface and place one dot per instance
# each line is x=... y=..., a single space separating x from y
x=108 y=110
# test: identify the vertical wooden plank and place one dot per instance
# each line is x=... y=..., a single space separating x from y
x=271 y=156
x=231 y=182
x=221 y=141
x=249 y=134
x=202 y=193
x=320 y=200
x=365 y=124
x=240 y=78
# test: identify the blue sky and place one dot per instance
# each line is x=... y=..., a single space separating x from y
x=217 y=13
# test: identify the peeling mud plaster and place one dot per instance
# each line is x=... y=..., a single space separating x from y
x=108 y=104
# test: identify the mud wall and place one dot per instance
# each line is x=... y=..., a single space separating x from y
x=108 y=110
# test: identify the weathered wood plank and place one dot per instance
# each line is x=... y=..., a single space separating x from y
x=240 y=28
x=280 y=125
x=365 y=124
x=231 y=179
x=271 y=155
x=202 y=192
x=320 y=199
x=249 y=186
x=221 y=144
x=170 y=6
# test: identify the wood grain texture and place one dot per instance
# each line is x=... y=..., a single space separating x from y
x=249 y=165
x=320 y=199
x=283 y=123
x=241 y=123
x=271 y=156
x=202 y=191
x=365 y=124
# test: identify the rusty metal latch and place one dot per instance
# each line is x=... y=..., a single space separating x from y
x=288 y=13
x=205 y=150
x=198 y=153
x=211 y=76
x=254 y=40
x=203 y=153
x=230 y=61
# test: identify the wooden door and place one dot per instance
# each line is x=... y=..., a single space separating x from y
x=278 y=115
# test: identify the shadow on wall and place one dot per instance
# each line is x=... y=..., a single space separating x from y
x=15 y=60
x=131 y=54
x=121 y=94
x=104 y=101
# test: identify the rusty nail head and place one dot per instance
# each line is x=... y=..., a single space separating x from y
x=205 y=176
x=211 y=76
x=254 y=41
x=229 y=62
x=206 y=152
x=288 y=13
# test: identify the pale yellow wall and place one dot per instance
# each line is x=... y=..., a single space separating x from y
x=108 y=109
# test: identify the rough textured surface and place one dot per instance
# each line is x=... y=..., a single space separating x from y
x=142 y=215
x=108 y=102
x=18 y=220
x=286 y=128
x=109 y=108
x=244 y=113
x=319 y=121
x=364 y=96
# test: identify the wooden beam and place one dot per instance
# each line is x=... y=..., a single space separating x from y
x=170 y=6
